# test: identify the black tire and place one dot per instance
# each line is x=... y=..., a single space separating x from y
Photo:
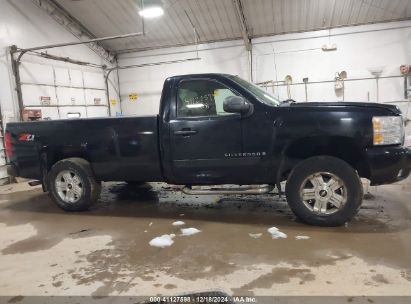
x=339 y=170
x=81 y=169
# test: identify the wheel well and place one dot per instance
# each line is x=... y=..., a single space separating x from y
x=337 y=146
x=48 y=157
x=52 y=156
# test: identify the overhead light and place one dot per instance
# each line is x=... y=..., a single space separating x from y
x=151 y=12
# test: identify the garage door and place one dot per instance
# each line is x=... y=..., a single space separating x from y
x=61 y=90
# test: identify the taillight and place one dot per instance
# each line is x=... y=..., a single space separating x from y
x=9 y=145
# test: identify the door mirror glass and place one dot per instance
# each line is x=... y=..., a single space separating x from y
x=237 y=104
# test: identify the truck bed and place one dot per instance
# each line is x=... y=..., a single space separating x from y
x=124 y=148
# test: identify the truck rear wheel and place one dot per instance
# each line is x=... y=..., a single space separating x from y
x=324 y=191
x=72 y=185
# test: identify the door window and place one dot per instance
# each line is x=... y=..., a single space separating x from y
x=202 y=98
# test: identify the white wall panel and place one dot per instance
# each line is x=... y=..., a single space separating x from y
x=391 y=89
x=362 y=90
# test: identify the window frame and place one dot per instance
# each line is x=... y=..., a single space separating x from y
x=204 y=116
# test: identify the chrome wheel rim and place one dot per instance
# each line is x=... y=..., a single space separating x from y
x=323 y=193
x=69 y=186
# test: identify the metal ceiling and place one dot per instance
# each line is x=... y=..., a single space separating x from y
x=218 y=20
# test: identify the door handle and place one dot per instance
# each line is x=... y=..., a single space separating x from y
x=185 y=132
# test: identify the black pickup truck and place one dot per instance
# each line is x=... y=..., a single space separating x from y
x=217 y=129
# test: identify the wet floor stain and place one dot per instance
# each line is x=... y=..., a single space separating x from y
x=125 y=213
x=279 y=275
x=379 y=278
x=406 y=274
x=16 y=299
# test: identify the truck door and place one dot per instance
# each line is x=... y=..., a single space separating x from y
x=203 y=136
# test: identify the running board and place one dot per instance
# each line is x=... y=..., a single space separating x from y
x=251 y=189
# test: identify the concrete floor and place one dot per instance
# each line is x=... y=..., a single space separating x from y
x=106 y=251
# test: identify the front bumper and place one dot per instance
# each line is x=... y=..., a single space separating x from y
x=388 y=164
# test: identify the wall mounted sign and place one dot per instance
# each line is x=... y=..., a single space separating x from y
x=45 y=100
x=113 y=102
x=133 y=96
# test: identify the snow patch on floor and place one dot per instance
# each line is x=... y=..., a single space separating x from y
x=163 y=241
x=302 y=237
x=276 y=234
x=189 y=231
x=178 y=223
x=255 y=235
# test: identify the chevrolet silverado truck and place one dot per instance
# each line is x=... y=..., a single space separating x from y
x=216 y=130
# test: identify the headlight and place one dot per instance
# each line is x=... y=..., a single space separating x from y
x=388 y=130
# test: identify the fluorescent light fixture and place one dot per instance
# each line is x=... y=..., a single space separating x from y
x=151 y=12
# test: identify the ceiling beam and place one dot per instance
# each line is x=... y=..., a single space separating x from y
x=245 y=32
x=59 y=14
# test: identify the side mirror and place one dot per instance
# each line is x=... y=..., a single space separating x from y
x=237 y=104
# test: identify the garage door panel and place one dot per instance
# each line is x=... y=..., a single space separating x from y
x=76 y=78
x=33 y=95
x=36 y=73
x=94 y=80
x=97 y=111
x=96 y=97
x=65 y=112
x=62 y=76
x=70 y=96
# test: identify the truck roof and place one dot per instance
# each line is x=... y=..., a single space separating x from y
x=201 y=75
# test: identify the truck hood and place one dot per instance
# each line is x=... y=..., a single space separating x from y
x=392 y=108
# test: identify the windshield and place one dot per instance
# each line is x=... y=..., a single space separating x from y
x=261 y=95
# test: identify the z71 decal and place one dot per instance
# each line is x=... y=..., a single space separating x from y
x=26 y=137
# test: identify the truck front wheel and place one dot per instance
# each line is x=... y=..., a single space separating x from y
x=72 y=185
x=324 y=191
